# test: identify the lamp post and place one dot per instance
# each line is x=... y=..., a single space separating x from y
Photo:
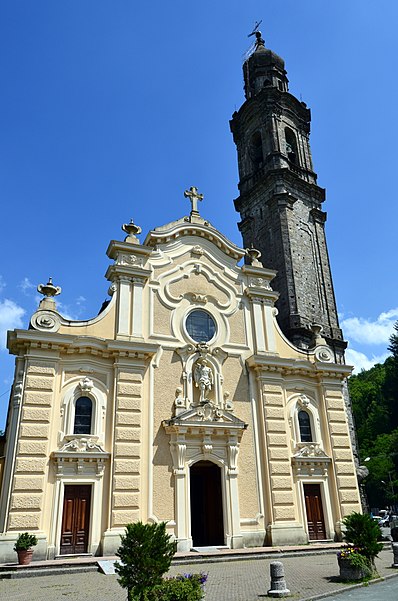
x=390 y=484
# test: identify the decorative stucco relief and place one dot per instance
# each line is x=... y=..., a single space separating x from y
x=198 y=283
x=133 y=260
x=82 y=445
x=324 y=354
x=46 y=321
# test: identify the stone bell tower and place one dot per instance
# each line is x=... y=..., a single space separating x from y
x=280 y=203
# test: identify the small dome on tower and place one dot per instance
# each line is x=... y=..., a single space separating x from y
x=262 y=69
x=265 y=56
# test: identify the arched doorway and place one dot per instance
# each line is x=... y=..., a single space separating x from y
x=207 y=524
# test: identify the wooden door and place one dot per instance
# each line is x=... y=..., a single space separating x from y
x=207 y=525
x=313 y=505
x=75 y=519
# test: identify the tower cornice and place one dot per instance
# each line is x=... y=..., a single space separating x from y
x=272 y=180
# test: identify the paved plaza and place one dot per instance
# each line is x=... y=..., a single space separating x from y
x=234 y=580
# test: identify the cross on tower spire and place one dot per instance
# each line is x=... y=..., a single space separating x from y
x=193 y=196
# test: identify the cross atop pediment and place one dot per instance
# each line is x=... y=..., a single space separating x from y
x=193 y=196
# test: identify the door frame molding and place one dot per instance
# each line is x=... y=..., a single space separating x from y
x=326 y=504
x=94 y=533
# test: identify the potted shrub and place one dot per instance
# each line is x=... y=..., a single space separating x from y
x=356 y=561
x=23 y=547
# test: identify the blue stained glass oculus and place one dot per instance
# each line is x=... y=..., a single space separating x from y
x=200 y=326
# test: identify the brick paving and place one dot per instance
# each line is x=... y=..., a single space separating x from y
x=240 y=580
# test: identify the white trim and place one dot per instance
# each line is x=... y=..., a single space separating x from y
x=326 y=506
x=95 y=532
x=137 y=323
x=123 y=320
x=16 y=402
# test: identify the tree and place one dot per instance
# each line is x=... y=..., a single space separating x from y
x=393 y=346
x=374 y=397
x=145 y=552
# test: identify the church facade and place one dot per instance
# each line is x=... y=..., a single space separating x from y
x=183 y=401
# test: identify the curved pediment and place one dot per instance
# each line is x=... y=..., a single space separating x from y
x=203 y=230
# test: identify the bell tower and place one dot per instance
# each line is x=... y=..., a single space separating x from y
x=279 y=201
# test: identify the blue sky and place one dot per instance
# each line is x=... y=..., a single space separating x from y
x=111 y=109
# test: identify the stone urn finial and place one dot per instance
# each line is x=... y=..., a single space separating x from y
x=49 y=290
x=254 y=256
x=131 y=230
x=317 y=332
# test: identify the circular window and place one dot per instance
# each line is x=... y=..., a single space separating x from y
x=200 y=326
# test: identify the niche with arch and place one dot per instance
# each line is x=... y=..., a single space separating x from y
x=304 y=421
x=83 y=410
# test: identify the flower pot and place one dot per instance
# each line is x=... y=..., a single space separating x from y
x=349 y=572
x=24 y=556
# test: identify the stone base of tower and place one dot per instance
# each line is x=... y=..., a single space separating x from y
x=290 y=533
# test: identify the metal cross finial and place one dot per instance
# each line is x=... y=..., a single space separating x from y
x=193 y=196
x=257 y=33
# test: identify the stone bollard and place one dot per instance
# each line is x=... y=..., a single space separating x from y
x=395 y=551
x=278 y=582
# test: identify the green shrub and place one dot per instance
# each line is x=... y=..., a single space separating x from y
x=361 y=562
x=181 y=588
x=363 y=533
x=25 y=541
x=145 y=555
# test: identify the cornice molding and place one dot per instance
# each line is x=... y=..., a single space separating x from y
x=115 y=247
x=265 y=365
x=22 y=341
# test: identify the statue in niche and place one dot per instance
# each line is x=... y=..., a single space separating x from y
x=203 y=377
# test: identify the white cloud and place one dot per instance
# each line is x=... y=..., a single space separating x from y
x=72 y=311
x=366 y=331
x=361 y=361
x=10 y=317
x=26 y=286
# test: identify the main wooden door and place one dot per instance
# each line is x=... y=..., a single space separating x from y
x=313 y=505
x=207 y=525
x=75 y=519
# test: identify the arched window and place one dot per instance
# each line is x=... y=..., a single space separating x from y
x=291 y=146
x=257 y=150
x=83 y=415
x=305 y=426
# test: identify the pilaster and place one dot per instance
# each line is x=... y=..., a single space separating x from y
x=348 y=498
x=262 y=299
x=281 y=508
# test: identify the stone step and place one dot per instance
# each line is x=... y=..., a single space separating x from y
x=8 y=572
